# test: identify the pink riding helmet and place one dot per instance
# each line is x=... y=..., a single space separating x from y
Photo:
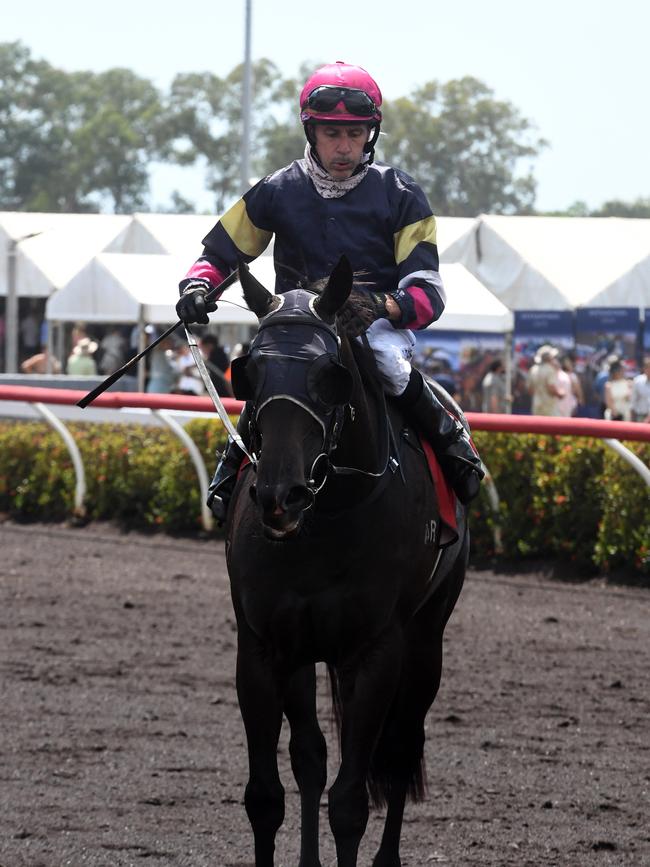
x=360 y=96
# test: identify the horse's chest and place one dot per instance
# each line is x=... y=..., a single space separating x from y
x=313 y=620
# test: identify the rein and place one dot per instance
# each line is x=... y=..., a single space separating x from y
x=216 y=400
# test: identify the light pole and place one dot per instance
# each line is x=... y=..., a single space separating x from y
x=246 y=104
x=11 y=307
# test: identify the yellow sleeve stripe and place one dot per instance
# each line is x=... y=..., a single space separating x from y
x=407 y=239
x=243 y=232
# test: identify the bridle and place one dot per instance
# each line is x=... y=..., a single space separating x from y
x=275 y=356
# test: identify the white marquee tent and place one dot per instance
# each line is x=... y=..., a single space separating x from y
x=50 y=249
x=176 y=234
x=140 y=288
x=132 y=288
x=450 y=230
x=136 y=277
x=558 y=263
x=470 y=306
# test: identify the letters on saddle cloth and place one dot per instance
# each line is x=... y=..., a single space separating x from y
x=446 y=498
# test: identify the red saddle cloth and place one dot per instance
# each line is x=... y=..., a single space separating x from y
x=446 y=497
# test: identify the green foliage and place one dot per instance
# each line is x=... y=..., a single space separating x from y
x=560 y=498
x=637 y=209
x=71 y=141
x=623 y=538
x=464 y=147
x=82 y=141
x=568 y=499
x=202 y=121
x=141 y=477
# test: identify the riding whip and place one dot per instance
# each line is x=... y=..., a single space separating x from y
x=216 y=400
x=210 y=296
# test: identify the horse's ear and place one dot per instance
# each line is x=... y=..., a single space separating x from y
x=335 y=294
x=259 y=299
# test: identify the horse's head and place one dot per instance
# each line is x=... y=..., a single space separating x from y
x=297 y=389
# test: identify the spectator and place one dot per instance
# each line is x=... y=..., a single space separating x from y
x=618 y=394
x=163 y=373
x=2 y=341
x=442 y=374
x=601 y=378
x=80 y=360
x=217 y=362
x=543 y=382
x=641 y=393
x=30 y=332
x=78 y=332
x=494 y=389
x=41 y=362
x=113 y=351
x=570 y=385
x=189 y=378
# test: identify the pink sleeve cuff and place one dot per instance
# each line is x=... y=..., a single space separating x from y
x=205 y=271
x=424 y=312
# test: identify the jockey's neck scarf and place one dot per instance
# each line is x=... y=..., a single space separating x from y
x=327 y=186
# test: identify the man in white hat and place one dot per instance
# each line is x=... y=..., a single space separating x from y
x=543 y=383
x=80 y=360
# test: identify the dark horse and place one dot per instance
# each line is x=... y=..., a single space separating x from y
x=333 y=554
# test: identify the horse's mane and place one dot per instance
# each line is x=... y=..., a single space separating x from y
x=368 y=397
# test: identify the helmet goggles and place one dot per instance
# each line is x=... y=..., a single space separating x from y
x=326 y=97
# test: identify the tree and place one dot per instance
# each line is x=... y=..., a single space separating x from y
x=639 y=208
x=577 y=209
x=72 y=141
x=464 y=147
x=203 y=120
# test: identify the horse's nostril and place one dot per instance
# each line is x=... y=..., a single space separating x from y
x=253 y=493
x=298 y=498
x=277 y=501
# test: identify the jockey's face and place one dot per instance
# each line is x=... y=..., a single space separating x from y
x=340 y=148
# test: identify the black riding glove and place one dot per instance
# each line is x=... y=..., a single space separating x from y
x=192 y=306
x=360 y=311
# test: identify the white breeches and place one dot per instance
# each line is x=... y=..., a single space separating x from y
x=393 y=349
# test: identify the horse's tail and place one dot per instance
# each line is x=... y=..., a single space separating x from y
x=394 y=758
x=397 y=761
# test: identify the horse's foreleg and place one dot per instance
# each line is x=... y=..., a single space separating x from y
x=367 y=691
x=308 y=758
x=260 y=702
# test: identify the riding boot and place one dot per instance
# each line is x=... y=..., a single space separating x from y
x=223 y=484
x=449 y=439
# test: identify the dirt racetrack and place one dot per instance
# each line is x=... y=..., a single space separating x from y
x=121 y=742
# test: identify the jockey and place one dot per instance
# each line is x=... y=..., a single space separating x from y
x=335 y=201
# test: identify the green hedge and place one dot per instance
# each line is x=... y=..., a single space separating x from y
x=139 y=476
x=565 y=499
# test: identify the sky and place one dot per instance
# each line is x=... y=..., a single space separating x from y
x=577 y=69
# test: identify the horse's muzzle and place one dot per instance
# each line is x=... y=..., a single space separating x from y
x=282 y=508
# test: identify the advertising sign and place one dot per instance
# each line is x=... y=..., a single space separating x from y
x=602 y=334
x=535 y=328
x=458 y=360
